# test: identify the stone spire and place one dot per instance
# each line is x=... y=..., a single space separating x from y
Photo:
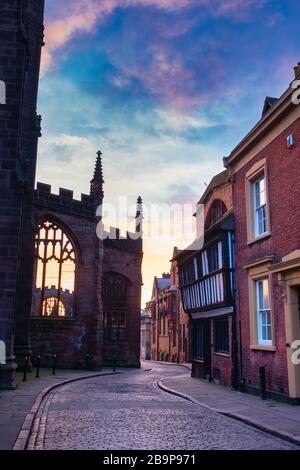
x=98 y=181
x=139 y=216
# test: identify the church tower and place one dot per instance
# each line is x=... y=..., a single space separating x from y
x=21 y=35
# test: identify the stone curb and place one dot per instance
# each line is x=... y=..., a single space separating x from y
x=28 y=425
x=251 y=422
x=186 y=366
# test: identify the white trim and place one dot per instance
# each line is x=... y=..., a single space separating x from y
x=218 y=312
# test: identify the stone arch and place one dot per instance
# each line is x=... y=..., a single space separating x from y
x=56 y=268
x=215 y=212
x=66 y=228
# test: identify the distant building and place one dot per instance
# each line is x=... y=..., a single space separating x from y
x=146 y=334
x=170 y=335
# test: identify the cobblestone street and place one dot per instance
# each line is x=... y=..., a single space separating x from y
x=129 y=411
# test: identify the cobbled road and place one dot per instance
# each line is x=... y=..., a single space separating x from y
x=129 y=411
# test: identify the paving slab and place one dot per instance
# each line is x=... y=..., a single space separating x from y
x=278 y=418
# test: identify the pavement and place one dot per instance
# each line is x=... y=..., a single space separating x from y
x=17 y=407
x=277 y=418
x=131 y=410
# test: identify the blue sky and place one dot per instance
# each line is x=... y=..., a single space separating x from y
x=165 y=88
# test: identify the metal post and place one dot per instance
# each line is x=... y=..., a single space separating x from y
x=38 y=363
x=262 y=379
x=114 y=363
x=0 y=376
x=25 y=369
x=54 y=364
x=88 y=356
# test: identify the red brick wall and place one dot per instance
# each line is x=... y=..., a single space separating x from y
x=284 y=195
x=221 y=364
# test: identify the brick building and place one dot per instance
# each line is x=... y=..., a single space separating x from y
x=170 y=333
x=265 y=168
x=146 y=332
x=63 y=290
x=207 y=288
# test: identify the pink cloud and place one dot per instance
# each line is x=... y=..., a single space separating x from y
x=168 y=78
x=87 y=13
x=238 y=9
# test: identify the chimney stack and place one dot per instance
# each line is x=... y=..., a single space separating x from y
x=297 y=71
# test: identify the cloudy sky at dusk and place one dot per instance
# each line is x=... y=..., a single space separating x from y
x=165 y=88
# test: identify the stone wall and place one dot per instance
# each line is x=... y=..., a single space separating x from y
x=21 y=36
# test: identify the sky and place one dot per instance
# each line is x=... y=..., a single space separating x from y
x=164 y=88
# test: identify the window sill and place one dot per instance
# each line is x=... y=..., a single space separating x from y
x=258 y=239
x=261 y=347
x=223 y=354
x=35 y=317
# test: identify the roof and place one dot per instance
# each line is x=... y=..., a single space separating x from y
x=272 y=112
x=217 y=180
x=268 y=104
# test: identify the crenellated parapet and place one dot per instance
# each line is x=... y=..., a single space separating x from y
x=64 y=201
x=127 y=242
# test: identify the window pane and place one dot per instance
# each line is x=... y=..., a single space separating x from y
x=263 y=312
x=266 y=304
x=256 y=195
x=262 y=192
x=260 y=295
x=260 y=207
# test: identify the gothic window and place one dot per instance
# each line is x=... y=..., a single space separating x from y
x=216 y=212
x=53 y=307
x=115 y=305
x=55 y=263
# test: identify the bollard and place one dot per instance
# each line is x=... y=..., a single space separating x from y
x=54 y=364
x=38 y=362
x=114 y=363
x=262 y=379
x=88 y=356
x=25 y=369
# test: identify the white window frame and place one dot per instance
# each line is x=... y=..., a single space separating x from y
x=2 y=92
x=261 y=207
x=263 y=309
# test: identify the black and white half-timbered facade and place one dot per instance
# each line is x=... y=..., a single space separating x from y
x=207 y=287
